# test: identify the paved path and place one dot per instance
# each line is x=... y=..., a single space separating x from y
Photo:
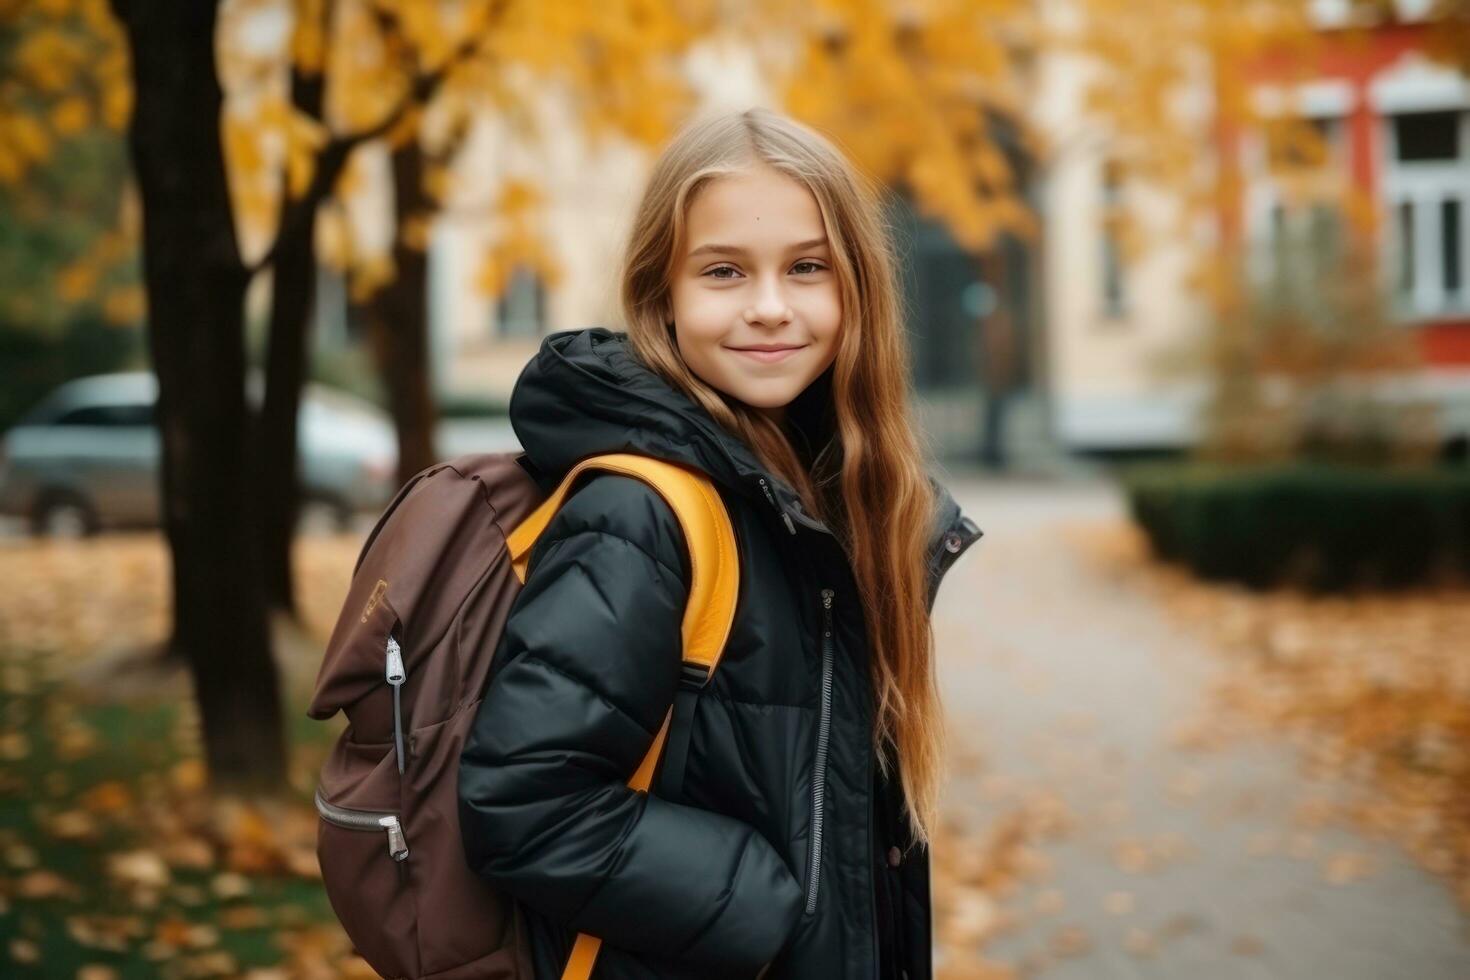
x=1178 y=863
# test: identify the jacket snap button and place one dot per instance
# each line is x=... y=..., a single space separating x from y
x=952 y=543
x=894 y=857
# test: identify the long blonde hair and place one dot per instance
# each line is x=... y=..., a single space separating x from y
x=874 y=492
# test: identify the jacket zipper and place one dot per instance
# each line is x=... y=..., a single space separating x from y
x=785 y=517
x=365 y=820
x=819 y=771
x=394 y=674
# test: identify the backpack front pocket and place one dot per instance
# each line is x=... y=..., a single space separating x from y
x=365 y=861
x=389 y=823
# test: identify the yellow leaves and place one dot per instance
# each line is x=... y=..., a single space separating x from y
x=71 y=116
x=405 y=127
x=414 y=233
x=308 y=37
x=305 y=137
x=333 y=239
x=23 y=138
x=71 y=825
x=14 y=746
x=107 y=798
x=43 y=884
x=117 y=105
x=189 y=775
x=24 y=951
x=125 y=306
x=519 y=198
x=369 y=276
x=519 y=242
x=48 y=59
x=112 y=933
x=242 y=148
x=438 y=181
x=61 y=66
x=138 y=869
x=230 y=885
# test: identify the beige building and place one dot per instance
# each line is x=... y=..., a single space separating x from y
x=481 y=343
x=1395 y=125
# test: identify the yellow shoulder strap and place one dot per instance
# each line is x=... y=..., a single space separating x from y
x=713 y=589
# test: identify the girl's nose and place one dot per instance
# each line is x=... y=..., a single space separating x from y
x=770 y=304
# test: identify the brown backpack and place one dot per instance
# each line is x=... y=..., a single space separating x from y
x=409 y=661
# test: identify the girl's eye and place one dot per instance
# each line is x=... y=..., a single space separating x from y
x=815 y=267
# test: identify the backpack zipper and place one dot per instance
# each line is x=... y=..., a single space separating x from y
x=819 y=771
x=393 y=670
x=365 y=820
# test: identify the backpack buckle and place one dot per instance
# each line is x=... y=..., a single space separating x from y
x=693 y=676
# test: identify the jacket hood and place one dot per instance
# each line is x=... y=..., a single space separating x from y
x=585 y=393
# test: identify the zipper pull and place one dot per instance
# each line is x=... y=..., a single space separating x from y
x=826 y=598
x=394 y=671
x=397 y=845
x=785 y=517
x=396 y=674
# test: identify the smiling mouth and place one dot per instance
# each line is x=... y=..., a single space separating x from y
x=767 y=356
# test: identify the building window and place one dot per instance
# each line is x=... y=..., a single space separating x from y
x=521 y=310
x=1426 y=187
x=1421 y=137
x=1450 y=249
x=1114 y=298
x=1406 y=247
x=1280 y=243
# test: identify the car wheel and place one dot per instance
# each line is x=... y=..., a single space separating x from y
x=64 y=515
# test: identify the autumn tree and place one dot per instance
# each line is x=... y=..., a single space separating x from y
x=913 y=94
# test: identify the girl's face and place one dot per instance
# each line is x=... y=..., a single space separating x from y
x=756 y=272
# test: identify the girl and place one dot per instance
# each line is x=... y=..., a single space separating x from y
x=764 y=347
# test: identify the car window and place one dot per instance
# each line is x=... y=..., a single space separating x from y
x=111 y=416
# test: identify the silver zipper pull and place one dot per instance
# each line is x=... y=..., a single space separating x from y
x=394 y=670
x=785 y=517
x=826 y=598
x=397 y=845
x=396 y=675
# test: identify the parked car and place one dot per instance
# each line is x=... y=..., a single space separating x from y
x=87 y=456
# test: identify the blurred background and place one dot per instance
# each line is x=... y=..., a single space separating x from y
x=1188 y=297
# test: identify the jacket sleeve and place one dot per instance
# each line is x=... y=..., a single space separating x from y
x=586 y=669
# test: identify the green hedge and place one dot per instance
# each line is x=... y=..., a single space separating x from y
x=1323 y=527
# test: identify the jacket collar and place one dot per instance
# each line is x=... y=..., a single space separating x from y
x=585 y=393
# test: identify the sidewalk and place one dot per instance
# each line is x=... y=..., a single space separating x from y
x=1164 y=861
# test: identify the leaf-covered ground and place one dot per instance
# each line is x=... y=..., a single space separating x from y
x=115 y=860
x=1375 y=688
x=1158 y=777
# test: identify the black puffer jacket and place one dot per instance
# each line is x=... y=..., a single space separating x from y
x=781 y=848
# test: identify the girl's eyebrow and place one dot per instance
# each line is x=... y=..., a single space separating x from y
x=737 y=250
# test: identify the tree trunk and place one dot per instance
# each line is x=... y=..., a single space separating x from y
x=195 y=285
x=398 y=322
x=293 y=289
